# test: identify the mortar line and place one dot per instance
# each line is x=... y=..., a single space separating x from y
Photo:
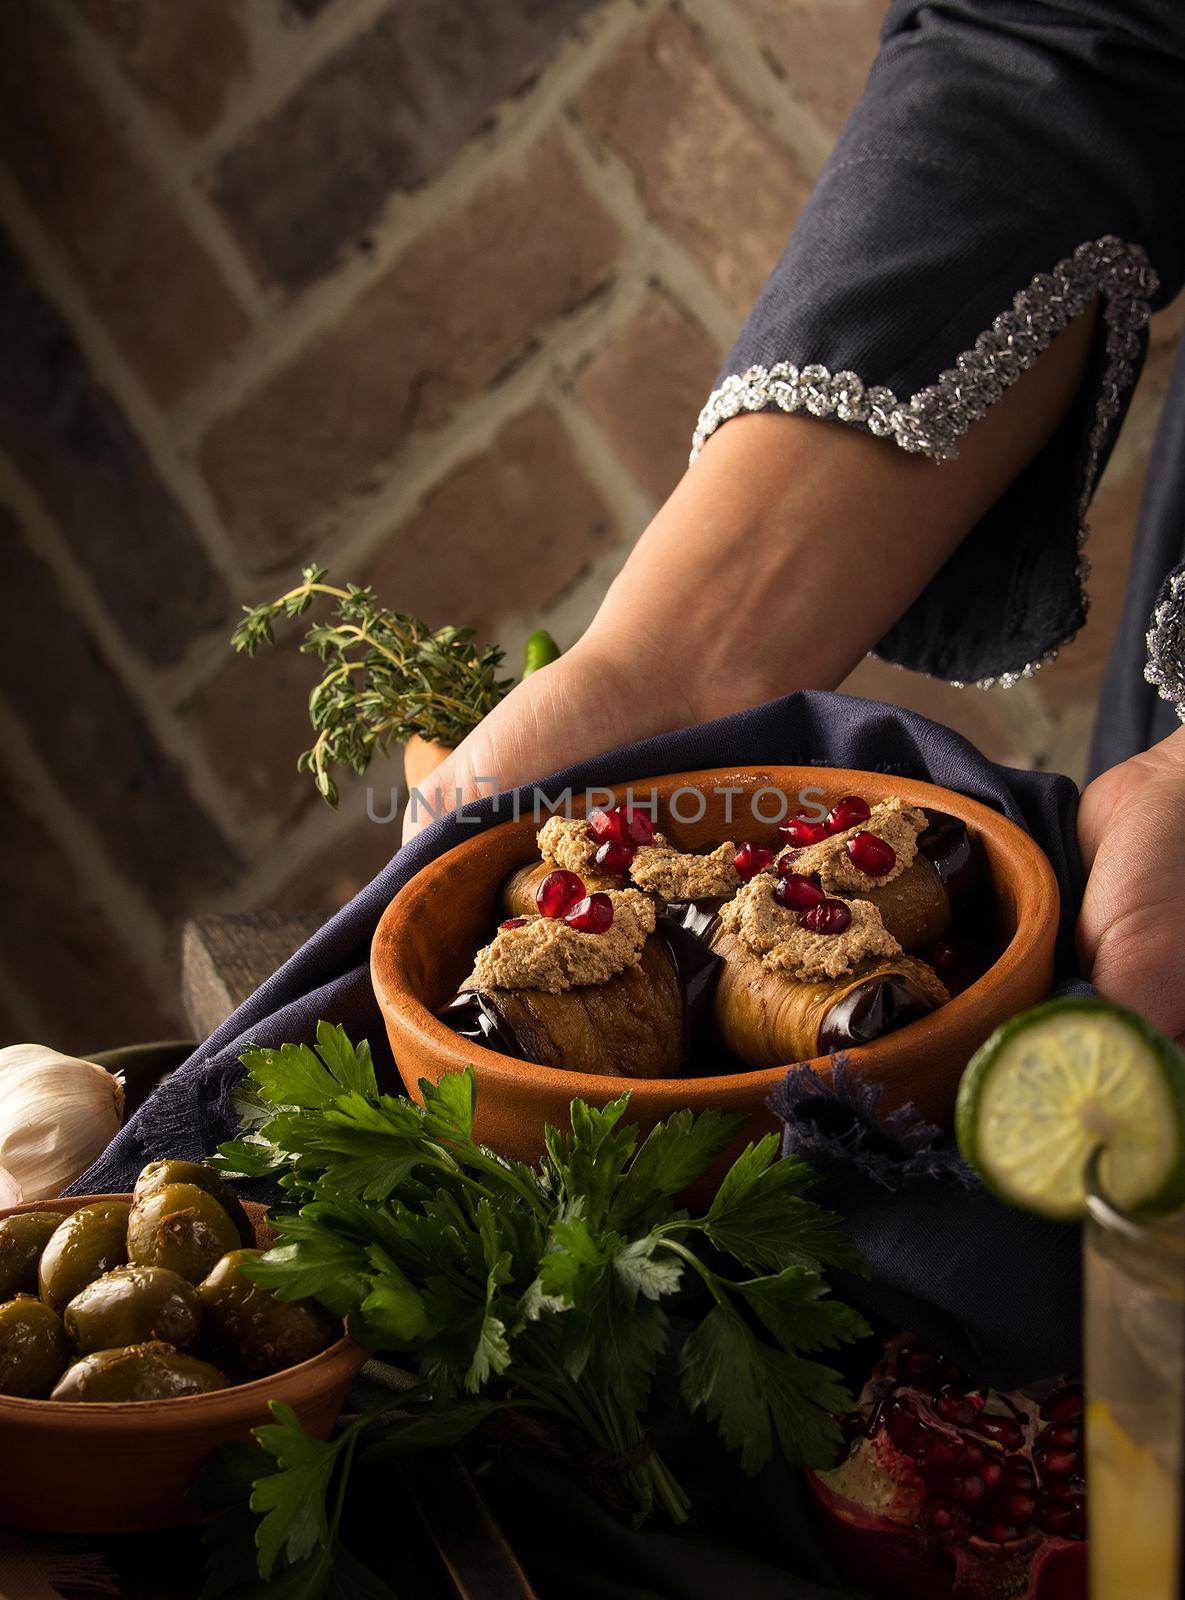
x=158 y=144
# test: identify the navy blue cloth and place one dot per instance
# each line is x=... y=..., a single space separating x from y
x=995 y=137
x=937 y=1262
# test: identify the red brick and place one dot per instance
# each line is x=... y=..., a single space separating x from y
x=68 y=437
x=384 y=113
x=186 y=58
x=335 y=873
x=440 y=326
x=92 y=738
x=646 y=388
x=252 y=722
x=144 y=271
x=821 y=49
x=63 y=951
x=504 y=535
x=975 y=713
x=709 y=173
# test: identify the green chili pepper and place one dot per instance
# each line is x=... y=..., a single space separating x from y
x=539 y=650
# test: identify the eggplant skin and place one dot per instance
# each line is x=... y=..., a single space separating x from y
x=629 y=1027
x=914 y=906
x=770 y=1020
x=516 y=898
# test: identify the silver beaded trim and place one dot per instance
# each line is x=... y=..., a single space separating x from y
x=1166 y=645
x=935 y=418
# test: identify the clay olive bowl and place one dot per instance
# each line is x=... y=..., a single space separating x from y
x=105 y=1468
x=425 y=941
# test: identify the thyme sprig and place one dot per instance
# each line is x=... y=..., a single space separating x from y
x=387 y=676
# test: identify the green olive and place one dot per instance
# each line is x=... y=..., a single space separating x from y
x=159 y=1175
x=22 y=1239
x=180 y=1227
x=139 y=1372
x=33 y=1348
x=90 y=1242
x=249 y=1327
x=135 y=1305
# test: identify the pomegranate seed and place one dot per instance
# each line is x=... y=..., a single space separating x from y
x=829 y=916
x=798 y=893
x=1004 y=1431
x=1068 y=1492
x=1018 y=1474
x=605 y=825
x=1063 y=1405
x=948 y=1453
x=998 y=1533
x=802 y=831
x=751 y=859
x=1066 y=1434
x=614 y=858
x=1019 y=1508
x=953 y=1406
x=1066 y=1517
x=975 y=1453
x=557 y=892
x=849 y=812
x=1056 y=1463
x=991 y=1472
x=514 y=922
x=900 y=1423
x=916 y=1361
x=594 y=914
x=942 y=956
x=636 y=826
x=786 y=861
x=942 y=1516
x=973 y=1491
x=872 y=855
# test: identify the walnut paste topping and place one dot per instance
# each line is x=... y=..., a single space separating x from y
x=891 y=820
x=680 y=875
x=775 y=936
x=659 y=868
x=545 y=953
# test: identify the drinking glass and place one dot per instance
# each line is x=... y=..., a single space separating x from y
x=1135 y=1388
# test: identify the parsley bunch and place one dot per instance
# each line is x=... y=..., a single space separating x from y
x=564 y=1287
x=388 y=675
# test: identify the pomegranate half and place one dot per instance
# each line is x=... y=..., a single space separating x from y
x=953 y=1492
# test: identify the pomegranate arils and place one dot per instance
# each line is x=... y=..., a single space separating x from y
x=901 y=1422
x=751 y=859
x=514 y=922
x=829 y=916
x=992 y=1473
x=998 y=1533
x=1056 y=1463
x=1019 y=1508
x=636 y=826
x=916 y=1362
x=1004 y=1431
x=872 y=855
x=1067 y=1434
x=802 y=831
x=1063 y=1405
x=786 y=861
x=798 y=893
x=849 y=812
x=614 y=858
x=605 y=825
x=954 y=1407
x=594 y=914
x=557 y=892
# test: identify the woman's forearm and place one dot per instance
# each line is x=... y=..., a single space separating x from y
x=792 y=545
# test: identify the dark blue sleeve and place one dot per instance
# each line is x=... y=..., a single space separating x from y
x=1010 y=161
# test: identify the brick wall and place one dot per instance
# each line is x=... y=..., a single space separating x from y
x=430 y=289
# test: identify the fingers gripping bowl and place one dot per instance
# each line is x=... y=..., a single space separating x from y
x=424 y=947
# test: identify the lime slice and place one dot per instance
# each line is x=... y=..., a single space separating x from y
x=1062 y=1080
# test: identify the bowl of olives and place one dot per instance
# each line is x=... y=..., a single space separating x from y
x=131 y=1347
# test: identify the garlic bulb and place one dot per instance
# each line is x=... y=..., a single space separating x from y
x=57 y=1115
x=11 y=1193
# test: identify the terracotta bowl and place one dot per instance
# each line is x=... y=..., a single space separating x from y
x=103 y=1468
x=425 y=940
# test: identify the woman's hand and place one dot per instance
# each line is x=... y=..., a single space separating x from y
x=1131 y=933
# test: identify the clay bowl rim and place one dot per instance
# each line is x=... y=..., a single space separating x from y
x=1034 y=884
x=344 y=1357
